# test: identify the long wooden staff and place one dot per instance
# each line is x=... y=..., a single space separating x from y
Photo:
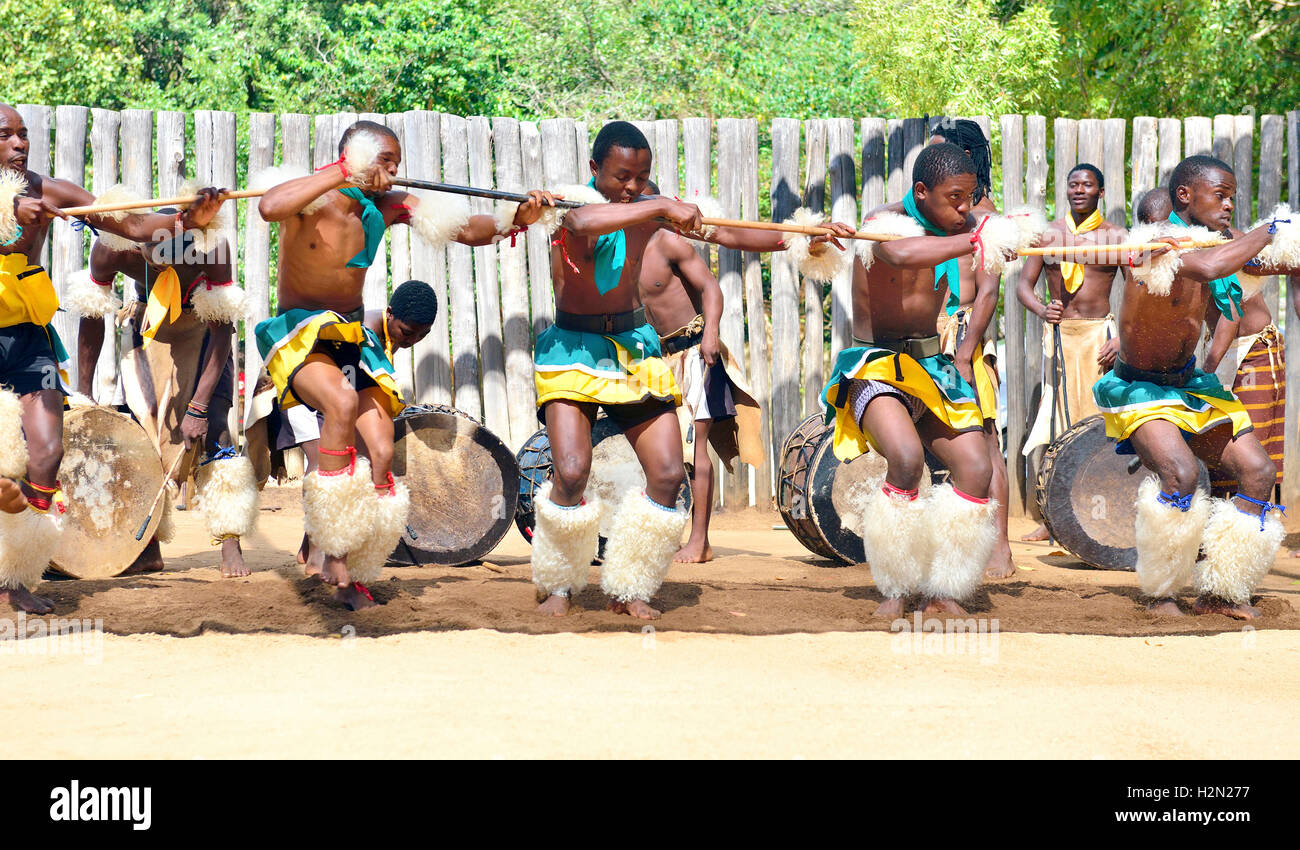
x=499 y=195
x=139 y=535
x=1053 y=250
x=177 y=201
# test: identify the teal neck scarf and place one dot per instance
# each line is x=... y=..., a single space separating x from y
x=611 y=254
x=1226 y=291
x=372 y=220
x=948 y=268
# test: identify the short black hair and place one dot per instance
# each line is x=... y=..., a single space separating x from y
x=1192 y=169
x=1096 y=172
x=1150 y=206
x=618 y=134
x=414 y=302
x=365 y=126
x=939 y=162
x=969 y=136
x=651 y=188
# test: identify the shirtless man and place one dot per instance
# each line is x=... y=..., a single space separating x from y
x=30 y=350
x=406 y=320
x=1158 y=405
x=178 y=373
x=955 y=324
x=319 y=352
x=1077 y=312
x=897 y=392
x=602 y=352
x=684 y=304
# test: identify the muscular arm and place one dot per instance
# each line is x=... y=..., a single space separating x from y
x=1211 y=263
x=982 y=310
x=598 y=219
x=1225 y=333
x=142 y=227
x=1025 y=285
x=696 y=274
x=90 y=331
x=288 y=199
x=923 y=252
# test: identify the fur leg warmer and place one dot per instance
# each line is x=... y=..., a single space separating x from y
x=13 y=448
x=28 y=540
x=1167 y=540
x=391 y=512
x=564 y=542
x=646 y=535
x=338 y=510
x=228 y=494
x=963 y=534
x=83 y=297
x=1238 y=554
x=895 y=541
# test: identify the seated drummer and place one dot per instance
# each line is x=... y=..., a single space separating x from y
x=178 y=374
x=1157 y=404
x=897 y=392
x=406 y=320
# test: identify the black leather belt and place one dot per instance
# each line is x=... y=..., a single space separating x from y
x=916 y=347
x=681 y=343
x=1125 y=372
x=600 y=323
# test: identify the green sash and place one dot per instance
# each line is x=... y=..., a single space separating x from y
x=1226 y=291
x=373 y=222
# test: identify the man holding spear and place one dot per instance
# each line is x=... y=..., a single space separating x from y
x=319 y=352
x=30 y=350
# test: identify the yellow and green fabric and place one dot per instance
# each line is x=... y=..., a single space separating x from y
x=623 y=368
x=1199 y=405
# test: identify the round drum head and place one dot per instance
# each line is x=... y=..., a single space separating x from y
x=1086 y=494
x=464 y=486
x=111 y=474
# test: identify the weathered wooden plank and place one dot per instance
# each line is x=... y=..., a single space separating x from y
x=257 y=241
x=171 y=152
x=516 y=332
x=39 y=120
x=323 y=149
x=1272 y=137
x=1092 y=142
x=1065 y=135
x=1225 y=137
x=559 y=157
x=492 y=355
x=295 y=140
x=814 y=198
x=666 y=165
x=224 y=175
x=873 y=163
x=760 y=359
x=1196 y=134
x=581 y=152
x=1036 y=196
x=1169 y=148
x=647 y=129
x=69 y=245
x=734 y=487
x=460 y=266
x=1113 y=160
x=1291 y=465
x=1014 y=368
x=432 y=355
x=541 y=294
x=915 y=135
x=399 y=243
x=1144 y=158
x=105 y=127
x=897 y=183
x=784 y=198
x=844 y=208
x=1243 y=163
x=697 y=153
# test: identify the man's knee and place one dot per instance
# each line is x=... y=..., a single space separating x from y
x=570 y=471
x=906 y=464
x=340 y=404
x=381 y=455
x=974 y=474
x=665 y=475
x=1258 y=473
x=1178 y=472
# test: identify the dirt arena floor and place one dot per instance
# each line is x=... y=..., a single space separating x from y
x=768 y=651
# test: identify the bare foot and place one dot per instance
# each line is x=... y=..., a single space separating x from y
x=315 y=559
x=150 y=560
x=354 y=597
x=1000 y=565
x=1214 y=605
x=232 y=559
x=554 y=606
x=22 y=599
x=891 y=608
x=694 y=553
x=635 y=608
x=1165 y=608
x=304 y=549
x=334 y=571
x=1036 y=535
x=945 y=606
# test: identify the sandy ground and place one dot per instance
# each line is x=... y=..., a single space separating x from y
x=768 y=651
